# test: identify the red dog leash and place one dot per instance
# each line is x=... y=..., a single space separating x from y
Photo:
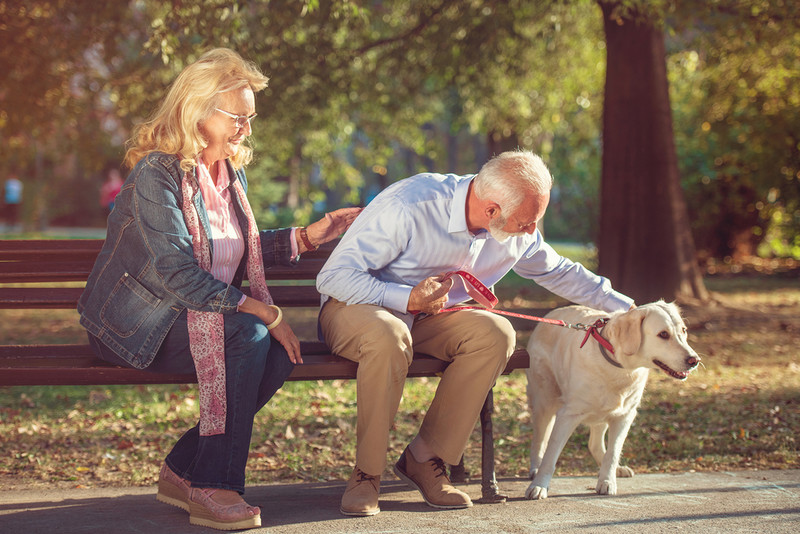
x=483 y=295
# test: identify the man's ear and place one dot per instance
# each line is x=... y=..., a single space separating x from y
x=492 y=210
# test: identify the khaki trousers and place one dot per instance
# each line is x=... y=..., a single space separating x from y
x=477 y=343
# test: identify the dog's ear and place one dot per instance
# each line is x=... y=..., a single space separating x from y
x=625 y=331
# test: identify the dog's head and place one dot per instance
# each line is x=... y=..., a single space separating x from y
x=653 y=336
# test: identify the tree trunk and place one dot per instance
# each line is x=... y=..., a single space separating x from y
x=645 y=244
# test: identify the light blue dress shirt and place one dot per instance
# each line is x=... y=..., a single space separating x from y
x=417 y=228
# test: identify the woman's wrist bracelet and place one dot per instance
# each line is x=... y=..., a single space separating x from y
x=277 y=320
x=306 y=240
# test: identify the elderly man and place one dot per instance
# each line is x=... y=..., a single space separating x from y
x=386 y=281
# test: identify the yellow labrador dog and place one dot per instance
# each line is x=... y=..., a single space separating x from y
x=569 y=385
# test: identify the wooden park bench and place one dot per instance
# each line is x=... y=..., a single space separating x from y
x=41 y=274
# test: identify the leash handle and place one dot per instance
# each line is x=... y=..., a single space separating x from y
x=475 y=288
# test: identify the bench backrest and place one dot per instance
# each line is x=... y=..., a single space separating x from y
x=31 y=272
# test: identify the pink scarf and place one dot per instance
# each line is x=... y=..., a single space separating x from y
x=207 y=329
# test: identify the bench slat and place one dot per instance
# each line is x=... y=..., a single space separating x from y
x=30 y=271
x=49 y=249
x=67 y=297
x=71 y=260
x=79 y=249
x=50 y=365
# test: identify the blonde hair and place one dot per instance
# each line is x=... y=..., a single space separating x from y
x=507 y=177
x=174 y=128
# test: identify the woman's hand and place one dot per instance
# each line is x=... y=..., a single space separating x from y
x=331 y=226
x=283 y=333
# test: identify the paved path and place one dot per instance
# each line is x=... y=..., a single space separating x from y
x=729 y=502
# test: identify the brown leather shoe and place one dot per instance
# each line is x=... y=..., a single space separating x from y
x=173 y=489
x=430 y=478
x=228 y=511
x=361 y=496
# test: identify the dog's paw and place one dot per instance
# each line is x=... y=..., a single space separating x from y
x=606 y=487
x=623 y=471
x=535 y=492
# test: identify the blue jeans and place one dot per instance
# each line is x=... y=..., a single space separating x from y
x=255 y=368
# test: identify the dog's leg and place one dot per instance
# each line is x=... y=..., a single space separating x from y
x=543 y=402
x=542 y=419
x=597 y=446
x=597 y=441
x=618 y=431
x=563 y=428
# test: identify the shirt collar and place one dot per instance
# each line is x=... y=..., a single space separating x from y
x=204 y=175
x=458 y=211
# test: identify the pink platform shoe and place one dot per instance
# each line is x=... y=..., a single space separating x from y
x=205 y=511
x=173 y=489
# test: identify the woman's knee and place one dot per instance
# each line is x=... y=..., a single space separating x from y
x=246 y=336
x=278 y=362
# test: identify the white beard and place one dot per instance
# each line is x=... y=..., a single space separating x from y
x=497 y=232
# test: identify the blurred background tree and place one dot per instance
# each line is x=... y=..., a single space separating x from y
x=363 y=93
x=734 y=70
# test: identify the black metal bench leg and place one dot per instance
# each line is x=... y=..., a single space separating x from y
x=490 y=493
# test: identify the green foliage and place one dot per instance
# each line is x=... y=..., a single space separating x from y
x=61 y=122
x=365 y=93
x=737 y=118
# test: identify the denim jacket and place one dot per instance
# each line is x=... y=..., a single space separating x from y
x=146 y=273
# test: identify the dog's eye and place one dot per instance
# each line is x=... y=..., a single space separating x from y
x=663 y=334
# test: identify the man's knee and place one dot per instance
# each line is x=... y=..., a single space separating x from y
x=387 y=346
x=363 y=332
x=506 y=335
x=496 y=335
x=387 y=336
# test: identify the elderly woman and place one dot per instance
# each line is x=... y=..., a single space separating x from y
x=165 y=293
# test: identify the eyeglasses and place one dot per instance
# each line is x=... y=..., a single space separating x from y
x=524 y=227
x=239 y=120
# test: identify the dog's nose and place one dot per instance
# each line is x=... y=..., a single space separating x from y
x=692 y=361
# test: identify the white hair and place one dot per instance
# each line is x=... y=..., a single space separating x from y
x=506 y=178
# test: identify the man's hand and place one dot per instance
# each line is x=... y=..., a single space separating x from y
x=430 y=295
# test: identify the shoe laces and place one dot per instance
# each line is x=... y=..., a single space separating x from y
x=363 y=477
x=438 y=465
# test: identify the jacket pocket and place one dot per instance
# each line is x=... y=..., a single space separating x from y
x=127 y=307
